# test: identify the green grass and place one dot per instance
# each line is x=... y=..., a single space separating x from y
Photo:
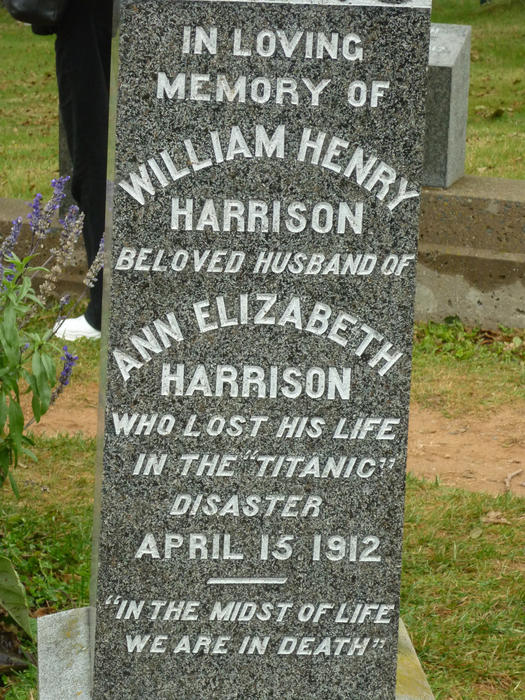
x=462 y=591
x=46 y=531
x=496 y=126
x=28 y=111
x=452 y=339
x=88 y=351
x=50 y=550
x=459 y=370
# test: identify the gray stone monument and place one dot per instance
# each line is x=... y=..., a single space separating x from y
x=264 y=225
x=447 y=104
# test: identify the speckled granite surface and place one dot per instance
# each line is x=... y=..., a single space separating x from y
x=264 y=226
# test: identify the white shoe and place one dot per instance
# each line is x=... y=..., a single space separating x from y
x=75 y=328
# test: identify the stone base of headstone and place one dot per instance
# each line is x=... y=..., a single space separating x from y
x=64 y=660
x=411 y=682
x=471 y=260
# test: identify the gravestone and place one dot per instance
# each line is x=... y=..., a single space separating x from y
x=267 y=161
x=447 y=104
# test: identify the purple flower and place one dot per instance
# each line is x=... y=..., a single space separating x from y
x=8 y=244
x=40 y=219
x=69 y=361
x=71 y=216
x=59 y=185
x=35 y=213
x=15 y=230
x=10 y=275
x=69 y=222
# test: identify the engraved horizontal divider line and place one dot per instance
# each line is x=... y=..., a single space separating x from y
x=404 y=5
x=247 y=581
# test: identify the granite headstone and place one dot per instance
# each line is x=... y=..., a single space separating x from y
x=447 y=104
x=264 y=226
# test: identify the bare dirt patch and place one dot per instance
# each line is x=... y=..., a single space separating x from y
x=74 y=412
x=475 y=452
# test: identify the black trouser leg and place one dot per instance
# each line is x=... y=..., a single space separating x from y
x=83 y=64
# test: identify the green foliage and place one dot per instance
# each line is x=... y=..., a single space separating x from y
x=13 y=596
x=26 y=354
x=21 y=685
x=25 y=357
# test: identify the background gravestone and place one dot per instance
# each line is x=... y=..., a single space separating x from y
x=447 y=104
x=264 y=230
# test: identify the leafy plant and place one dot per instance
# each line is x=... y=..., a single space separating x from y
x=27 y=350
x=26 y=355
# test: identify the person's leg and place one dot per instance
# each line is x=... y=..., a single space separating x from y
x=83 y=64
